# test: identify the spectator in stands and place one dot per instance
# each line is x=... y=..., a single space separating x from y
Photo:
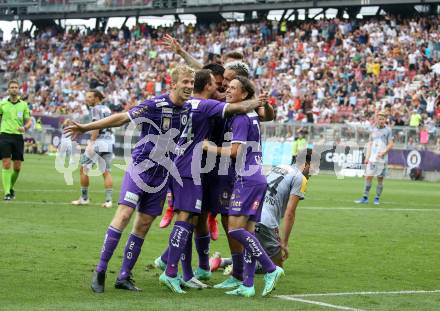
x=313 y=69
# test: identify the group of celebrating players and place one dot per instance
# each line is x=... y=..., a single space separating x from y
x=203 y=142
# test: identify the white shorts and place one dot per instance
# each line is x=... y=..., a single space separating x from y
x=378 y=169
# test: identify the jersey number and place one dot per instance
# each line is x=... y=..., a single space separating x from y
x=273 y=185
x=187 y=131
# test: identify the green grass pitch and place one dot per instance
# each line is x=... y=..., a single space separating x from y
x=49 y=249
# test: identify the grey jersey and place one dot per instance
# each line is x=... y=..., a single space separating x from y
x=379 y=139
x=282 y=182
x=105 y=140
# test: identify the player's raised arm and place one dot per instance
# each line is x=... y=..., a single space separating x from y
x=172 y=44
x=75 y=129
x=265 y=111
x=245 y=106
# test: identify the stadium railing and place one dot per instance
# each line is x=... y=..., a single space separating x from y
x=349 y=134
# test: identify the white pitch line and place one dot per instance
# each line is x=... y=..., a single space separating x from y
x=382 y=202
x=370 y=209
x=54 y=190
x=402 y=292
x=322 y=304
x=46 y=203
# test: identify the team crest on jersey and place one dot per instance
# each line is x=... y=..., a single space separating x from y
x=184 y=119
x=255 y=205
x=166 y=122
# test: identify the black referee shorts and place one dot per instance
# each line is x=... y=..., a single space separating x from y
x=11 y=146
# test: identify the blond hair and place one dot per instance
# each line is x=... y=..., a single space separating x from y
x=181 y=70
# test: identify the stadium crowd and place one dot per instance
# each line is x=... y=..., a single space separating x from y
x=321 y=71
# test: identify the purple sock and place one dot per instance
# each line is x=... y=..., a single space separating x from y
x=178 y=239
x=249 y=269
x=165 y=254
x=237 y=265
x=202 y=246
x=186 y=259
x=111 y=240
x=131 y=254
x=253 y=246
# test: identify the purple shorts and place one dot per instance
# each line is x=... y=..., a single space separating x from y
x=216 y=194
x=187 y=197
x=247 y=200
x=150 y=203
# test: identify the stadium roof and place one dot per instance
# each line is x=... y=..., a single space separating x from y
x=68 y=9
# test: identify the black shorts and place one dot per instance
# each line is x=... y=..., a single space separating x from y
x=11 y=146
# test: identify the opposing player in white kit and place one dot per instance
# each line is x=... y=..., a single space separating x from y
x=376 y=157
x=286 y=185
x=99 y=151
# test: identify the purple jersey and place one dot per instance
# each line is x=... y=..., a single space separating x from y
x=221 y=133
x=197 y=129
x=246 y=130
x=162 y=115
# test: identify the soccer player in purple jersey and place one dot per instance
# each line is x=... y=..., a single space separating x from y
x=248 y=192
x=188 y=194
x=144 y=187
x=218 y=187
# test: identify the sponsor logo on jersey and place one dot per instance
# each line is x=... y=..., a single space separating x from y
x=235 y=203
x=138 y=112
x=166 y=123
x=167 y=110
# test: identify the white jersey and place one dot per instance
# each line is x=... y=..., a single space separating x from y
x=105 y=140
x=379 y=139
x=282 y=182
